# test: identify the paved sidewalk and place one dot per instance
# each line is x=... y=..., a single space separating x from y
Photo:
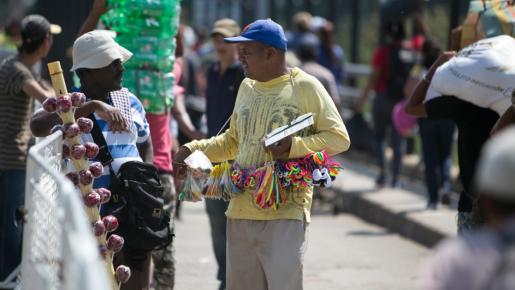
x=344 y=253
x=328 y=262
x=402 y=211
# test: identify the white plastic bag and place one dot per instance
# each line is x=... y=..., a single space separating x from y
x=199 y=161
x=482 y=73
x=199 y=169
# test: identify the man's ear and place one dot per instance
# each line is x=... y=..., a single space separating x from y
x=270 y=52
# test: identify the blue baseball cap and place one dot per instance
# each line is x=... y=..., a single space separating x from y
x=264 y=30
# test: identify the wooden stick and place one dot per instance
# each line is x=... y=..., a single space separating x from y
x=59 y=85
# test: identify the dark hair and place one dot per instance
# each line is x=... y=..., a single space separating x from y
x=32 y=46
x=35 y=29
x=395 y=30
x=308 y=47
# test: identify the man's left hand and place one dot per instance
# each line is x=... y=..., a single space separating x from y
x=280 y=149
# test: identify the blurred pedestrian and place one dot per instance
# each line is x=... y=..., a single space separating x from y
x=10 y=38
x=301 y=27
x=308 y=54
x=387 y=81
x=265 y=247
x=436 y=135
x=474 y=125
x=483 y=259
x=223 y=81
x=188 y=128
x=331 y=54
x=192 y=80
x=19 y=86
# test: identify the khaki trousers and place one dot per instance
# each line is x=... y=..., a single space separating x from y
x=265 y=255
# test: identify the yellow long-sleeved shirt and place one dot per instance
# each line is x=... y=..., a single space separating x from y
x=261 y=107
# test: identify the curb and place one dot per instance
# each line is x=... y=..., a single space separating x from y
x=413 y=171
x=375 y=213
x=400 y=211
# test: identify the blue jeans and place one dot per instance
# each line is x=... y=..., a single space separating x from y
x=382 y=117
x=218 y=221
x=12 y=196
x=436 y=138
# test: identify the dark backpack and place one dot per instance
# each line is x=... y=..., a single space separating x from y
x=136 y=200
x=137 y=203
x=400 y=62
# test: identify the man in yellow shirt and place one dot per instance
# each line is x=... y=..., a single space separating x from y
x=266 y=246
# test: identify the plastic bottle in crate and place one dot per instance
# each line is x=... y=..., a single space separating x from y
x=148 y=44
x=146 y=26
x=151 y=62
x=153 y=88
x=153 y=8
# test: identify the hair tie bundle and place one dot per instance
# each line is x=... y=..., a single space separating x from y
x=269 y=193
x=268 y=182
x=220 y=184
x=271 y=180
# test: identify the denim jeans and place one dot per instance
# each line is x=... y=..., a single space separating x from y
x=12 y=196
x=382 y=115
x=436 y=138
x=218 y=221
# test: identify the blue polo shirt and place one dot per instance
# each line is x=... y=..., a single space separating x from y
x=221 y=92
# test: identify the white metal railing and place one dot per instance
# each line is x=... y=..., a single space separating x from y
x=59 y=249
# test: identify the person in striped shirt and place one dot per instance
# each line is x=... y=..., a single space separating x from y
x=98 y=62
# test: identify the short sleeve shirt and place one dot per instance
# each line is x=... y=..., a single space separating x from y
x=16 y=108
x=381 y=61
x=122 y=146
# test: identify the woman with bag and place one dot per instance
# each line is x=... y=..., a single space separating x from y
x=387 y=81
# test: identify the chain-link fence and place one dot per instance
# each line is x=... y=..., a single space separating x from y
x=59 y=249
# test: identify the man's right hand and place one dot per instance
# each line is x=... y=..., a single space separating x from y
x=179 y=167
x=113 y=116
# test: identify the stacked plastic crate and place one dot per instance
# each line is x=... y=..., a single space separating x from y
x=147 y=28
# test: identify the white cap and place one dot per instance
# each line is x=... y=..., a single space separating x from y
x=494 y=173
x=97 y=49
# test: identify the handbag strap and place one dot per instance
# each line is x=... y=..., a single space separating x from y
x=104 y=156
